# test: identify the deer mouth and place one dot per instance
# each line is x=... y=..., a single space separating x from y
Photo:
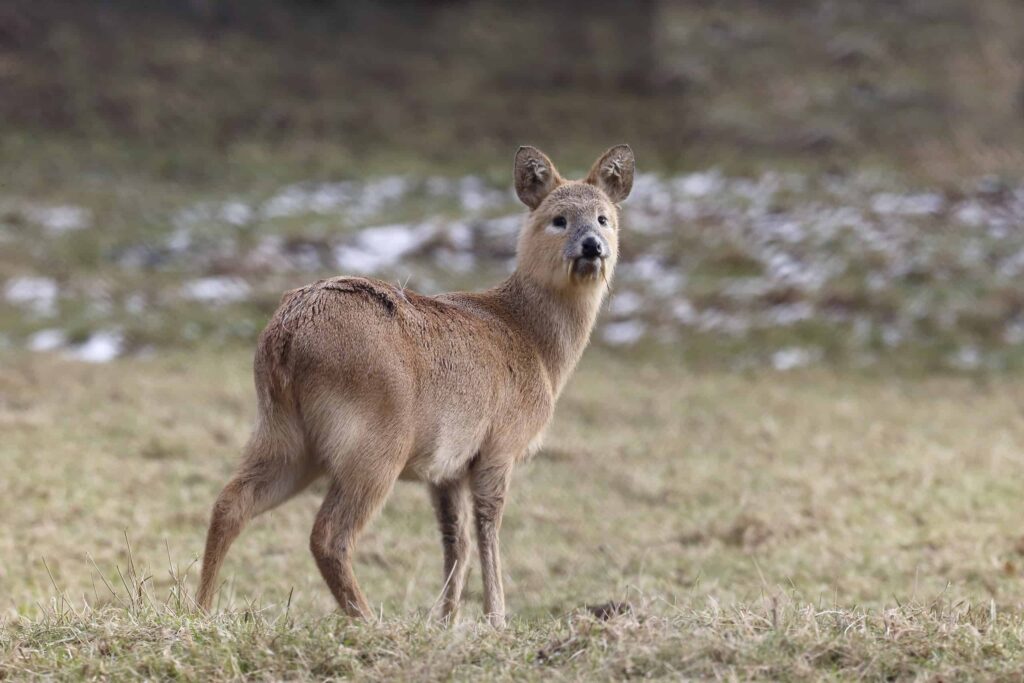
x=584 y=268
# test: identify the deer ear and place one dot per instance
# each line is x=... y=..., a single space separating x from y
x=613 y=172
x=535 y=176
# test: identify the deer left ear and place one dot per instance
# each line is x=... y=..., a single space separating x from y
x=613 y=172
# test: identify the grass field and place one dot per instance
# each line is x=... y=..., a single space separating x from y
x=762 y=525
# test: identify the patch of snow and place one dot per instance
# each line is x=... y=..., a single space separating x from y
x=714 y=320
x=966 y=358
x=876 y=281
x=180 y=240
x=923 y=204
x=891 y=336
x=357 y=260
x=290 y=201
x=650 y=270
x=269 y=253
x=236 y=213
x=788 y=314
x=793 y=357
x=475 y=195
x=971 y=213
x=323 y=198
x=101 y=347
x=625 y=303
x=379 y=247
x=1012 y=266
x=57 y=220
x=38 y=294
x=47 y=340
x=747 y=288
x=135 y=303
x=684 y=312
x=625 y=332
x=330 y=197
x=1013 y=333
x=652 y=192
x=460 y=236
x=700 y=184
x=215 y=290
x=376 y=194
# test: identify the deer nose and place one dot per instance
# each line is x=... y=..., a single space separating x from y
x=591 y=247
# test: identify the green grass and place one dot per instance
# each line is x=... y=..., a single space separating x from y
x=794 y=526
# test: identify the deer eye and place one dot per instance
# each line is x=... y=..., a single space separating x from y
x=602 y=220
x=559 y=222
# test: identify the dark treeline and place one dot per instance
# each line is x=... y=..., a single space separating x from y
x=817 y=81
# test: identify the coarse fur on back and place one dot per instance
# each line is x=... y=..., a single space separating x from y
x=365 y=382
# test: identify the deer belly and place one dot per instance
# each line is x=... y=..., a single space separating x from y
x=447 y=452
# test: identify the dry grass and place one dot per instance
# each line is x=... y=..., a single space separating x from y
x=759 y=526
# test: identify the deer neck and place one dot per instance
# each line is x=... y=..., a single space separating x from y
x=557 y=321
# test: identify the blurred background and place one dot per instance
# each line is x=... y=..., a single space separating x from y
x=821 y=181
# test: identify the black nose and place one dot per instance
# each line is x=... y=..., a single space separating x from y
x=591 y=247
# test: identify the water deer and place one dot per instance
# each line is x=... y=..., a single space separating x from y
x=368 y=383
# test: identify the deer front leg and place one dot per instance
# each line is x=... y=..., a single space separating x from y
x=489 y=486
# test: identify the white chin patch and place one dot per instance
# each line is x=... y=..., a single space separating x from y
x=585 y=269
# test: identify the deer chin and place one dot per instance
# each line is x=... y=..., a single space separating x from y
x=585 y=269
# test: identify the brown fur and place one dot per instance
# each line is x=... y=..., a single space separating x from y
x=367 y=383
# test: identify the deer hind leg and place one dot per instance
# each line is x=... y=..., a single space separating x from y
x=489 y=486
x=273 y=470
x=452 y=507
x=360 y=485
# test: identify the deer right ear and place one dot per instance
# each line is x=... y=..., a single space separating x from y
x=535 y=176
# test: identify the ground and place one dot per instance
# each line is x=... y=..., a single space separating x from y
x=708 y=524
